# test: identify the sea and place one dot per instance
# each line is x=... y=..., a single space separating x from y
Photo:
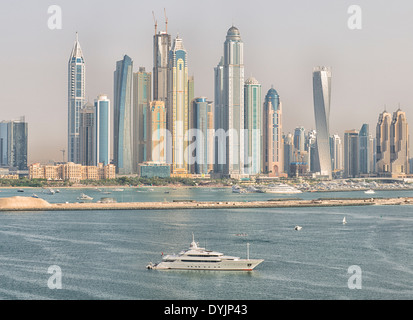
x=102 y=255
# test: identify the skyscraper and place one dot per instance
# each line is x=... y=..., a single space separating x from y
x=156 y=123
x=399 y=144
x=365 y=152
x=336 y=151
x=233 y=94
x=252 y=126
x=272 y=134
x=87 y=135
x=203 y=123
x=161 y=48
x=177 y=106
x=122 y=125
x=351 y=153
x=219 y=118
x=288 y=152
x=13 y=144
x=76 y=99
x=322 y=95
x=383 y=143
x=102 y=116
x=141 y=99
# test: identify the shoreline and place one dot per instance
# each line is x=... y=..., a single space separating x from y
x=31 y=204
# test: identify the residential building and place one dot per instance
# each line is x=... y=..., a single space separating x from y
x=102 y=123
x=351 y=153
x=252 y=127
x=76 y=99
x=273 y=162
x=123 y=120
x=177 y=107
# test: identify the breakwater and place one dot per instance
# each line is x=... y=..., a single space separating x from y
x=32 y=204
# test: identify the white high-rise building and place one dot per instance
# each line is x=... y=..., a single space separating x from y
x=322 y=95
x=233 y=103
x=76 y=99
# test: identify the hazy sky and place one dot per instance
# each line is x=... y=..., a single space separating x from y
x=283 y=41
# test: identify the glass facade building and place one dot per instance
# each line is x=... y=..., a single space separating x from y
x=122 y=125
x=203 y=122
x=76 y=100
x=87 y=135
x=102 y=120
x=178 y=107
x=13 y=144
x=141 y=99
x=322 y=95
x=252 y=126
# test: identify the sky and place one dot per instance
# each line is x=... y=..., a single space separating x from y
x=372 y=67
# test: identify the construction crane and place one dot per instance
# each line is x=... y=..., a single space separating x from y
x=156 y=22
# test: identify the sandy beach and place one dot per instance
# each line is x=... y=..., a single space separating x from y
x=33 y=204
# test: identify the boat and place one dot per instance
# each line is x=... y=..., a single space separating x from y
x=84 y=197
x=281 y=188
x=238 y=189
x=35 y=195
x=20 y=190
x=344 y=220
x=298 y=228
x=49 y=191
x=118 y=189
x=197 y=258
x=370 y=191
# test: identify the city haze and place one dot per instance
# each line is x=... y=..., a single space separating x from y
x=372 y=68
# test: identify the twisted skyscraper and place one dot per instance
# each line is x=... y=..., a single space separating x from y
x=322 y=95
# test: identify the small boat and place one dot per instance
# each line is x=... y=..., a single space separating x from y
x=118 y=189
x=344 y=220
x=298 y=228
x=20 y=190
x=238 y=189
x=281 y=188
x=370 y=191
x=49 y=191
x=35 y=195
x=84 y=197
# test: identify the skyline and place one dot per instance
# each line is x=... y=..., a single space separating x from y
x=371 y=67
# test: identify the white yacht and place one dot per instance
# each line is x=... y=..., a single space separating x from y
x=238 y=189
x=197 y=258
x=84 y=197
x=370 y=191
x=281 y=188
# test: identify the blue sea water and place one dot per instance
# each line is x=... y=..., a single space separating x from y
x=103 y=254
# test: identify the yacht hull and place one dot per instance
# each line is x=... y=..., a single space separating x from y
x=238 y=265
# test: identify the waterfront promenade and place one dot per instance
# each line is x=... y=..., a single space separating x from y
x=33 y=204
